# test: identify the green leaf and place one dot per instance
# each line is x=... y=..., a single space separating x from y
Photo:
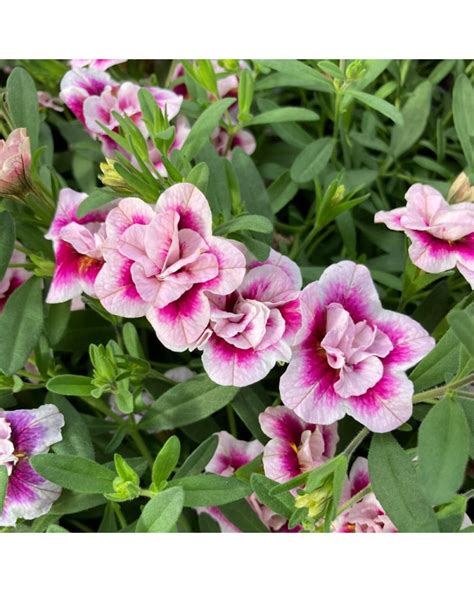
x=70 y=385
x=76 y=436
x=198 y=459
x=251 y=222
x=57 y=321
x=21 y=323
x=71 y=502
x=211 y=490
x=246 y=87
x=282 y=191
x=462 y=324
x=283 y=115
x=204 y=126
x=378 y=104
x=96 y=199
x=71 y=472
x=443 y=451
x=199 y=176
x=397 y=487
x=463 y=115
x=242 y=516
x=303 y=72
x=3 y=485
x=161 y=513
x=23 y=104
x=166 y=460
x=187 y=403
x=252 y=188
x=415 y=114
x=312 y=160
x=7 y=240
x=248 y=404
x=281 y=503
x=450 y=516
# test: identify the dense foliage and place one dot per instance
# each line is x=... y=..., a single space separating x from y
x=217 y=310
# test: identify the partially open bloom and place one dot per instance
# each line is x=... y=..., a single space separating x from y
x=96 y=64
x=441 y=234
x=14 y=277
x=15 y=161
x=49 y=102
x=367 y=515
x=77 y=246
x=242 y=139
x=230 y=455
x=23 y=434
x=165 y=263
x=351 y=354
x=461 y=190
x=295 y=446
x=253 y=328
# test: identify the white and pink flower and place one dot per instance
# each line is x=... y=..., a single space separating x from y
x=164 y=263
x=14 y=277
x=351 y=355
x=23 y=434
x=15 y=162
x=366 y=515
x=441 y=234
x=253 y=328
x=295 y=446
x=77 y=244
x=95 y=64
x=242 y=139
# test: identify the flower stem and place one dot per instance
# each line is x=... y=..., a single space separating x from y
x=441 y=390
x=355 y=442
x=140 y=444
x=354 y=499
x=231 y=420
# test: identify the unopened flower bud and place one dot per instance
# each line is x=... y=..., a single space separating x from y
x=355 y=70
x=315 y=502
x=15 y=162
x=461 y=190
x=111 y=178
x=338 y=196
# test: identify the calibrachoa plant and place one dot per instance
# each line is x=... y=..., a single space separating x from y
x=236 y=296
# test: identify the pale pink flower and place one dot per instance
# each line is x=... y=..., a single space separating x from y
x=441 y=234
x=14 y=277
x=15 y=162
x=77 y=244
x=367 y=515
x=165 y=263
x=95 y=64
x=49 y=102
x=351 y=355
x=253 y=328
x=23 y=434
x=295 y=446
x=242 y=139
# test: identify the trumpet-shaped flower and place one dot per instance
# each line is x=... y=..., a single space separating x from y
x=366 y=515
x=77 y=244
x=295 y=446
x=351 y=355
x=441 y=234
x=165 y=263
x=253 y=328
x=15 y=162
x=23 y=434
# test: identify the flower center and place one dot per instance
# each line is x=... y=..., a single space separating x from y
x=355 y=350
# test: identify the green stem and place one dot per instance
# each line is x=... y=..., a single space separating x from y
x=354 y=499
x=147 y=493
x=140 y=444
x=441 y=390
x=355 y=442
x=120 y=516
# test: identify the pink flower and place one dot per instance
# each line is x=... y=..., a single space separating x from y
x=79 y=85
x=242 y=139
x=295 y=446
x=14 y=277
x=441 y=234
x=351 y=355
x=77 y=246
x=15 y=162
x=273 y=521
x=367 y=515
x=95 y=64
x=164 y=263
x=49 y=102
x=252 y=328
x=23 y=434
